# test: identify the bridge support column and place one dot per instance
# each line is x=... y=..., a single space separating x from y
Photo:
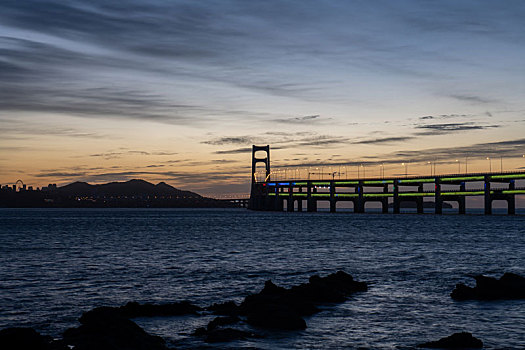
x=438 y=200
x=488 y=198
x=419 y=200
x=289 y=202
x=462 y=200
x=300 y=201
x=360 y=199
x=511 y=199
x=278 y=200
x=311 y=203
x=332 y=197
x=397 y=202
x=384 y=201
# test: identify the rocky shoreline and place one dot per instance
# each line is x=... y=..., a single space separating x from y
x=274 y=308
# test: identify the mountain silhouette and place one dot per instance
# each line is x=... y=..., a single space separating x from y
x=136 y=187
x=130 y=194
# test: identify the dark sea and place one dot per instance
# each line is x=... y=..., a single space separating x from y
x=57 y=263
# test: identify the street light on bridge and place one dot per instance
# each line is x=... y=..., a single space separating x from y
x=406 y=168
x=490 y=164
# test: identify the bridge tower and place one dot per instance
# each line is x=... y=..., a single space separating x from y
x=258 y=199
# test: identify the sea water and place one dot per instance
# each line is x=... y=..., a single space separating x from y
x=57 y=263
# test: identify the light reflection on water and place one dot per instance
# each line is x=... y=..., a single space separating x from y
x=57 y=263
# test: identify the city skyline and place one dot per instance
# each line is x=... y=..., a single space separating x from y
x=179 y=91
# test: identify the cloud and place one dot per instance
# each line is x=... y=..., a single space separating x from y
x=232 y=140
x=236 y=150
x=300 y=120
x=446 y=128
x=472 y=98
x=508 y=148
x=443 y=116
x=119 y=154
x=385 y=140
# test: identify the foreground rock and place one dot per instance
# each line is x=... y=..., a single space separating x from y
x=509 y=286
x=281 y=308
x=463 y=340
x=27 y=338
x=105 y=328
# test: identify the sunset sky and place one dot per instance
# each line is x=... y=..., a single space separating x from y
x=178 y=91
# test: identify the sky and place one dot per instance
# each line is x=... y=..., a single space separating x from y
x=179 y=91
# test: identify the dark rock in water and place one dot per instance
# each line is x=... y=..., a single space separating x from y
x=27 y=338
x=227 y=335
x=276 y=316
x=105 y=328
x=134 y=309
x=463 y=340
x=213 y=333
x=228 y=308
x=281 y=308
x=509 y=286
x=222 y=321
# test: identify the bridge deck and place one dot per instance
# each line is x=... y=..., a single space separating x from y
x=270 y=195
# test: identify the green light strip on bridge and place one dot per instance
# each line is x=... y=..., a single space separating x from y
x=466 y=178
x=271 y=194
x=409 y=181
x=378 y=182
x=417 y=194
x=346 y=183
x=515 y=176
x=300 y=183
x=299 y=194
x=320 y=194
x=349 y=195
x=513 y=192
x=321 y=183
x=284 y=194
x=473 y=193
x=378 y=195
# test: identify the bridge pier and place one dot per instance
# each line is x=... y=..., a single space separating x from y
x=511 y=199
x=419 y=200
x=384 y=201
x=462 y=200
x=332 y=197
x=488 y=198
x=290 y=204
x=300 y=200
x=360 y=208
x=311 y=203
x=397 y=203
x=438 y=201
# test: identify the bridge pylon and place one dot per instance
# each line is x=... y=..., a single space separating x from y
x=258 y=196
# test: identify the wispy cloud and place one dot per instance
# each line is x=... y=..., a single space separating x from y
x=231 y=140
x=508 y=148
x=446 y=128
x=121 y=153
x=443 y=116
x=472 y=98
x=301 y=120
x=385 y=140
x=236 y=150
